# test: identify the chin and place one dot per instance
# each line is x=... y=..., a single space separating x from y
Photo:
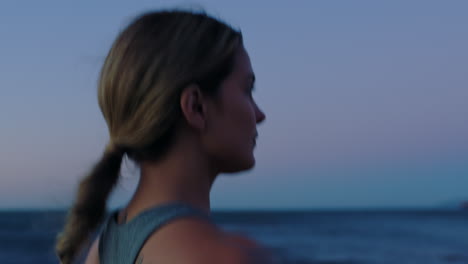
x=241 y=165
x=250 y=164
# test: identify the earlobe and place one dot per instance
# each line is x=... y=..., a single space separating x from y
x=191 y=104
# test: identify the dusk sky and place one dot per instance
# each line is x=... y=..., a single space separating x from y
x=366 y=101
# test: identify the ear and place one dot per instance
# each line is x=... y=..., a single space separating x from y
x=193 y=106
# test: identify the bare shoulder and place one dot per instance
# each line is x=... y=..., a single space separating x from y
x=242 y=249
x=192 y=240
x=93 y=254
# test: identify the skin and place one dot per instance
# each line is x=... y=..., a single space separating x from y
x=217 y=135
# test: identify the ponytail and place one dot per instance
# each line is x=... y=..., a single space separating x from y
x=89 y=207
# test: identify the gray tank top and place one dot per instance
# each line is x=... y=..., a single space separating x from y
x=121 y=243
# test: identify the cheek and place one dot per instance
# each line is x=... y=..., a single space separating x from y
x=243 y=113
x=248 y=118
x=234 y=125
x=240 y=131
x=230 y=141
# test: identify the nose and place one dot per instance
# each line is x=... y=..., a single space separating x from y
x=259 y=114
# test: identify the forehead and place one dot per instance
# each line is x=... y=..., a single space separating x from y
x=242 y=66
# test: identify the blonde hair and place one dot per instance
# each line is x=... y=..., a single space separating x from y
x=143 y=76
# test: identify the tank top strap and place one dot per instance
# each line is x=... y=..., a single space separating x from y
x=121 y=243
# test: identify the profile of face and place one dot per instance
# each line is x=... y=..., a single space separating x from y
x=232 y=119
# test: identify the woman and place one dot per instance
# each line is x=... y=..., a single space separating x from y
x=175 y=91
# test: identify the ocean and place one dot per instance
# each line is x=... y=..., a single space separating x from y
x=299 y=237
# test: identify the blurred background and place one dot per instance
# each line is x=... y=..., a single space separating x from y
x=363 y=157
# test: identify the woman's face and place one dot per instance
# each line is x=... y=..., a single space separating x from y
x=232 y=126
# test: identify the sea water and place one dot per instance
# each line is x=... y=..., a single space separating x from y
x=305 y=237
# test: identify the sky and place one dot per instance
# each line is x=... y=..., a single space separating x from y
x=366 y=101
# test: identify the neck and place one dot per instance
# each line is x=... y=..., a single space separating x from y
x=184 y=175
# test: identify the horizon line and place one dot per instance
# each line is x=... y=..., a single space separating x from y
x=265 y=209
